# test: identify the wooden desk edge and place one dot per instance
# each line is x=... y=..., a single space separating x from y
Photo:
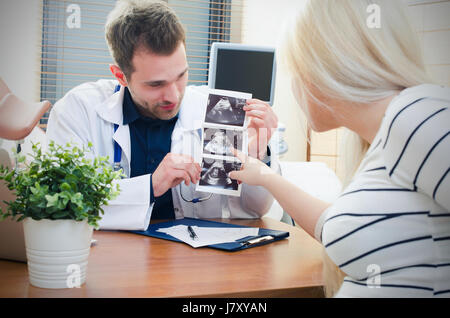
x=300 y=292
x=289 y=292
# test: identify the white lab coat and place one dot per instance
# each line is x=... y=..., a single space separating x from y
x=88 y=113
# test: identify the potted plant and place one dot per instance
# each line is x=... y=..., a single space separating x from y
x=59 y=198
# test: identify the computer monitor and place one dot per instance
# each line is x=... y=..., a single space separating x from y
x=243 y=68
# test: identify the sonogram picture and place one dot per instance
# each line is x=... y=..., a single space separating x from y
x=223 y=129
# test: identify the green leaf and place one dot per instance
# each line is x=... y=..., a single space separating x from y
x=52 y=200
x=77 y=198
x=65 y=187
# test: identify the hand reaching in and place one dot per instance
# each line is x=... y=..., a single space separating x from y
x=253 y=171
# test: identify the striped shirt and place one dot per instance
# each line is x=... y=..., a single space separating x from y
x=389 y=231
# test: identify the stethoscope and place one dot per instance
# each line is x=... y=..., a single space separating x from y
x=118 y=157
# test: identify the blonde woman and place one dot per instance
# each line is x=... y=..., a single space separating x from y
x=388 y=234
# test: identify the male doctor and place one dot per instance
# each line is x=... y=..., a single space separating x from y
x=149 y=124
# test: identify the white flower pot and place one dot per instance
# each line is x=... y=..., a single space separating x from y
x=57 y=252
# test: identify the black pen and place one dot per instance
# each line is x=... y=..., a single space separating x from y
x=191 y=232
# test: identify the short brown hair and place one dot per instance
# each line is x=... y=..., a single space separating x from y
x=136 y=24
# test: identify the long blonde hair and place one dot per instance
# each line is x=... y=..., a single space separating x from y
x=331 y=45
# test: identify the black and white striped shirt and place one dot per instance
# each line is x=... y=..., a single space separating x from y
x=390 y=229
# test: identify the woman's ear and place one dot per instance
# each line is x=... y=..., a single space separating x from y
x=118 y=74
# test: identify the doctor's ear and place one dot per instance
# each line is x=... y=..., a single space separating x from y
x=118 y=74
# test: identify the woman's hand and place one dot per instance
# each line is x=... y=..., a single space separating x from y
x=253 y=171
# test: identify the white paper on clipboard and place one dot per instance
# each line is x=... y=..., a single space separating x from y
x=209 y=235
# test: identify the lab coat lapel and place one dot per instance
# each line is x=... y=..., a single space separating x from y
x=186 y=140
x=189 y=123
x=112 y=111
x=122 y=137
x=193 y=108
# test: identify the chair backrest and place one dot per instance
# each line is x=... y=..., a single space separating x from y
x=12 y=242
x=18 y=118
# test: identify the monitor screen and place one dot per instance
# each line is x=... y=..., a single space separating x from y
x=243 y=68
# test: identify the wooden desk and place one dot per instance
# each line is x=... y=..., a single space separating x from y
x=130 y=265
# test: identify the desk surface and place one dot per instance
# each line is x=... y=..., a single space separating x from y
x=129 y=265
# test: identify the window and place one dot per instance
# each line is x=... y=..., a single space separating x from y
x=74 y=49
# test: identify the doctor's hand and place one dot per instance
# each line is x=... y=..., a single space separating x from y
x=263 y=123
x=253 y=171
x=173 y=170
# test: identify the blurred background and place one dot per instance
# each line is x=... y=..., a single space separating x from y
x=46 y=51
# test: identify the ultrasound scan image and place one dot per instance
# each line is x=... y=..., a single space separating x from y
x=215 y=173
x=221 y=141
x=225 y=110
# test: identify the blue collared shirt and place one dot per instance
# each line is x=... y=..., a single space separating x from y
x=150 y=143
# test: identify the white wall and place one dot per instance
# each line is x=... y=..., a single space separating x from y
x=262 y=25
x=431 y=20
x=20 y=38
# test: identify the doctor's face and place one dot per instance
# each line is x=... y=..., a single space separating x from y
x=158 y=82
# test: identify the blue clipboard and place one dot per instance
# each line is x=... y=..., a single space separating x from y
x=265 y=236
